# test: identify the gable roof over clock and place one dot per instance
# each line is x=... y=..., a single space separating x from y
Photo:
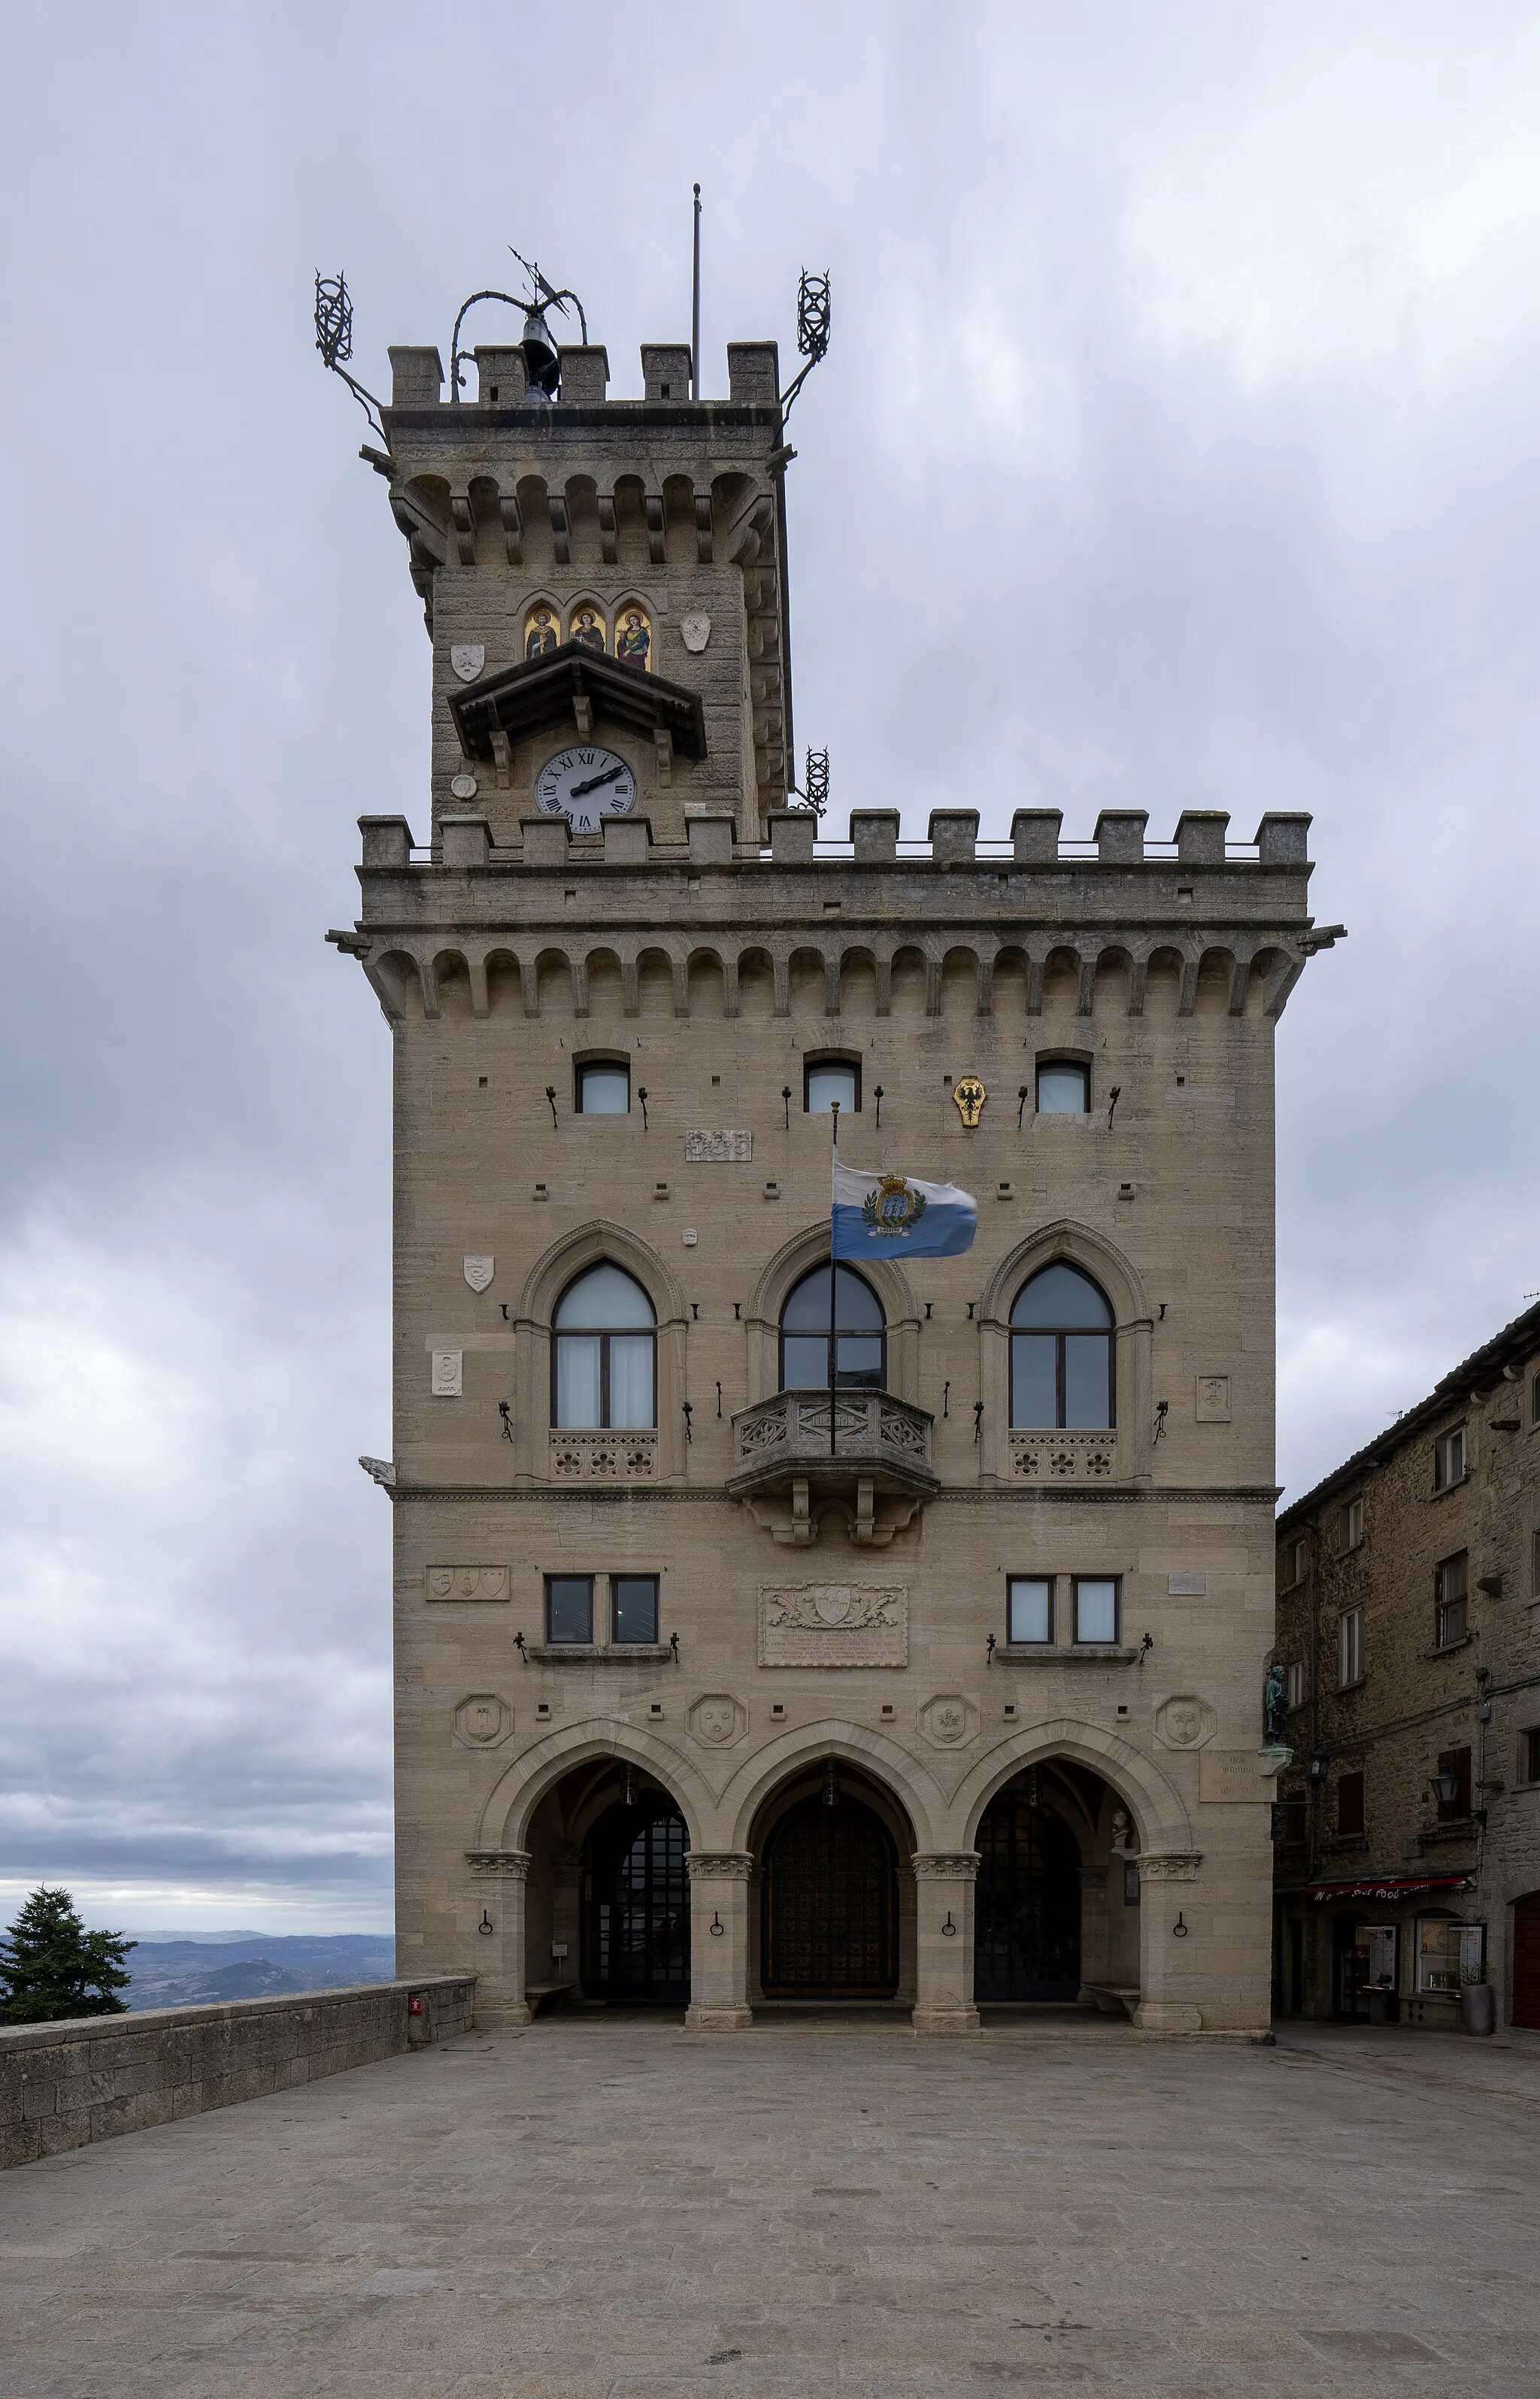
x=539 y=691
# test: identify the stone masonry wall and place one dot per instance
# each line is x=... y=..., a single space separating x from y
x=63 y=2085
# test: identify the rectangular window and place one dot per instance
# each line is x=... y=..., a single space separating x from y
x=1063 y=1088
x=1095 y=1608
x=1029 y=1607
x=1299 y=1686
x=634 y=1600
x=1455 y=1763
x=1350 y=1524
x=602 y=1087
x=1450 y=1601
x=1350 y=1816
x=568 y=1608
x=1295 y=1563
x=1449 y=1954
x=1529 y=1753
x=830 y=1083
x=1449 y=1458
x=1379 y=1941
x=1350 y=1648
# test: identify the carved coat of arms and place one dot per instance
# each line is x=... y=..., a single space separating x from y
x=468 y=658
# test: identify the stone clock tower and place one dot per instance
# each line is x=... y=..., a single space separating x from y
x=764 y=1630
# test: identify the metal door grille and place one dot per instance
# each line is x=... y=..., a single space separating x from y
x=829 y=1912
x=1027 y=1905
x=637 y=1916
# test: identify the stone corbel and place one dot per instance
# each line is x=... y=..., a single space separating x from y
x=465 y=528
x=561 y=527
x=663 y=743
x=703 y=528
x=582 y=713
x=513 y=529
x=502 y=754
x=606 y=529
x=652 y=503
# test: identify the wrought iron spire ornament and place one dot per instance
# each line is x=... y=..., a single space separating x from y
x=334 y=341
x=812 y=331
x=814 y=792
x=541 y=365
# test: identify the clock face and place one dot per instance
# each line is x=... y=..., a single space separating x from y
x=583 y=784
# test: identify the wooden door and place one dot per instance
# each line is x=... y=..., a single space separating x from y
x=1526 y=1961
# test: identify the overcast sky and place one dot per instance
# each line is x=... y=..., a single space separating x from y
x=1177 y=447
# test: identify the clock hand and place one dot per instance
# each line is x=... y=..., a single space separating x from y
x=579 y=790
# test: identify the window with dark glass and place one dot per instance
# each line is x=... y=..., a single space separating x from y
x=1529 y=1753
x=1061 y=1352
x=1029 y=1607
x=1455 y=1763
x=634 y=1604
x=568 y=1609
x=1350 y=1524
x=1063 y=1088
x=828 y=1083
x=1350 y=1815
x=1451 y=1602
x=1349 y=1647
x=856 y=1346
x=603 y=1352
x=1095 y=1609
x=602 y=1087
x=1449 y=1458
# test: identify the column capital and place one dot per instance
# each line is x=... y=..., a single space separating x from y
x=513 y=1865
x=946 y=1865
x=720 y=1866
x=1167 y=1865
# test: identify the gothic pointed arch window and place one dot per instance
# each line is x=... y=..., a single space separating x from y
x=847 y=1350
x=604 y=1352
x=1061 y=1358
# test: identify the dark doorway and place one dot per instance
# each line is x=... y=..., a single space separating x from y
x=1296 y=1967
x=635 y=1905
x=1027 y=1905
x=1349 y=1972
x=1526 y=1961
x=830 y=1914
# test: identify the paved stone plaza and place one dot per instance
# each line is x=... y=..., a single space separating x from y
x=617 y=2208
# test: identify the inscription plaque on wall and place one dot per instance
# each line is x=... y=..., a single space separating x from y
x=1232 y=1775
x=718 y=1149
x=835 y=1624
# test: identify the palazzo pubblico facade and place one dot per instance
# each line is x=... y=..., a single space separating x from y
x=761 y=1638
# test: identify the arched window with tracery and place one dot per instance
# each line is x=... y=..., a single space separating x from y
x=847 y=1352
x=1061 y=1365
x=604 y=1352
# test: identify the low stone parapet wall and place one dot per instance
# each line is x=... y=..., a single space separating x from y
x=65 y=2084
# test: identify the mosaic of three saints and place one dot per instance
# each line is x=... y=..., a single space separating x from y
x=633 y=642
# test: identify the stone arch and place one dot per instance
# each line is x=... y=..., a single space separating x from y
x=585 y=1245
x=1115 y=977
x=396 y=983
x=655 y=972
x=604 y=976
x=961 y=982
x=808 y=980
x=860 y=993
x=910 y=982
x=532 y=497
x=514 y=1797
x=1154 y=1803
x=795 y=1257
x=555 y=986
x=756 y=982
x=706 y=982
x=1010 y=980
x=877 y=1754
x=1082 y=1247
x=452 y=980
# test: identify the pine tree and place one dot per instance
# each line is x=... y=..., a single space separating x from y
x=51 y=1967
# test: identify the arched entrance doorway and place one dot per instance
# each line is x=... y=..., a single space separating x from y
x=1027 y=1901
x=636 y=1903
x=829 y=1900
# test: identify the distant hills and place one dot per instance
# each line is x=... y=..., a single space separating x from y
x=254 y=1966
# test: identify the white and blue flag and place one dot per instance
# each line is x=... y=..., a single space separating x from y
x=894 y=1215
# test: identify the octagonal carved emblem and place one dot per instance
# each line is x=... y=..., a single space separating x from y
x=717 y=1720
x=1184 y=1722
x=948 y=1720
x=483 y=1721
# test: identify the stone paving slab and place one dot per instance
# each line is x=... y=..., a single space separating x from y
x=612 y=2207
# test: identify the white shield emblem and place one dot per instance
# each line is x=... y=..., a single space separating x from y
x=468 y=658
x=478 y=1273
x=695 y=628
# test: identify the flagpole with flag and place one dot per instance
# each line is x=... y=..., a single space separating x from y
x=892 y=1216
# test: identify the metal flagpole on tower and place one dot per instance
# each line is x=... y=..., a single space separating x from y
x=833 y=1269
x=695 y=307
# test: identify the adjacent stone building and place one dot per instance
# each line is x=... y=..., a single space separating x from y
x=760 y=1637
x=1408 y=1825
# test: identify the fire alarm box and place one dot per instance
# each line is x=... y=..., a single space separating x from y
x=414 y=2004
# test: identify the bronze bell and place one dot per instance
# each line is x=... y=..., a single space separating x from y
x=542 y=367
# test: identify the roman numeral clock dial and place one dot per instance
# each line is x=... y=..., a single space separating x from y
x=583 y=785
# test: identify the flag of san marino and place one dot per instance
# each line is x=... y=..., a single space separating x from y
x=894 y=1215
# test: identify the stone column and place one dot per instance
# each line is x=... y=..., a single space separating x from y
x=908 y=1984
x=943 y=1940
x=498 y=1878
x=1093 y=1926
x=1168 y=1961
x=719 y=1941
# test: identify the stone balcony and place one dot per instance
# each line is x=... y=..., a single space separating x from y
x=873 y=1460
